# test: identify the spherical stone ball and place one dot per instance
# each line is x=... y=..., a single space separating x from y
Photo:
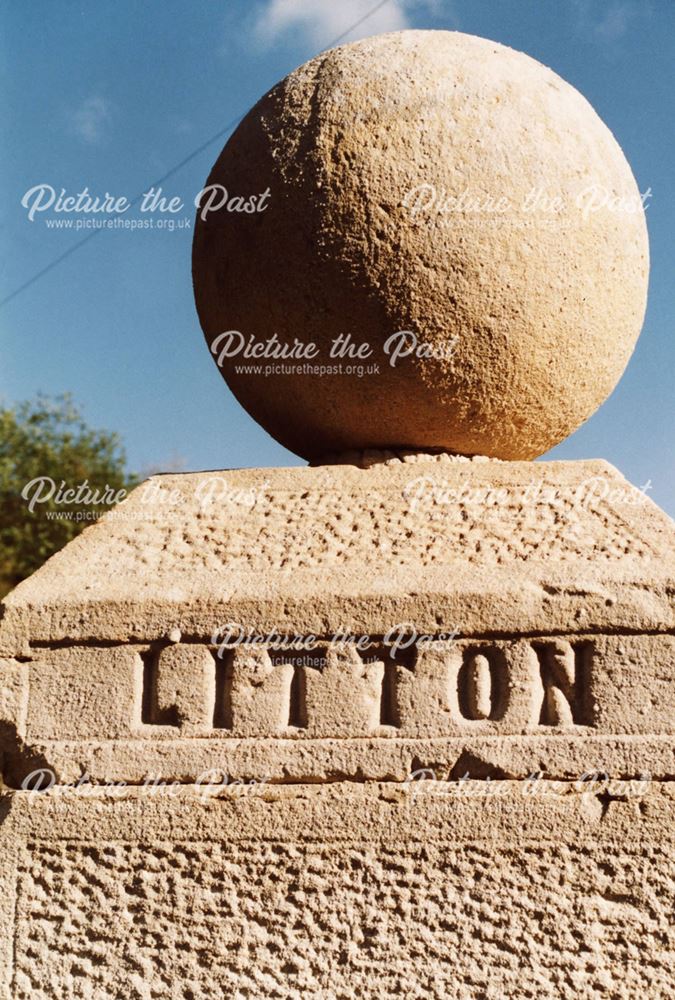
x=422 y=240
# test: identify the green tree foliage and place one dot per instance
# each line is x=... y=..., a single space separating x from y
x=43 y=442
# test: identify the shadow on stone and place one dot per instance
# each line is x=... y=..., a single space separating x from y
x=471 y=766
x=18 y=760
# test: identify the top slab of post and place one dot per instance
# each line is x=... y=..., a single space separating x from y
x=486 y=548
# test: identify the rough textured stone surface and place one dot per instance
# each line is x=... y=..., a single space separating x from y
x=482 y=547
x=484 y=811
x=342 y=891
x=545 y=305
x=183 y=688
x=577 y=704
x=79 y=693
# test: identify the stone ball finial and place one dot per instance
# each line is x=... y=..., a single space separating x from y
x=448 y=202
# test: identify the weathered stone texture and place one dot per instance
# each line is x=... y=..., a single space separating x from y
x=549 y=896
x=82 y=693
x=541 y=922
x=586 y=686
x=532 y=313
x=183 y=690
x=483 y=547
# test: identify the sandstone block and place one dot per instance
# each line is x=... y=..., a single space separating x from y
x=13 y=695
x=82 y=693
x=259 y=694
x=345 y=697
x=340 y=890
x=480 y=548
x=184 y=689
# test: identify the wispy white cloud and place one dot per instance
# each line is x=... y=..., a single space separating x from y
x=611 y=22
x=321 y=21
x=91 y=120
x=615 y=21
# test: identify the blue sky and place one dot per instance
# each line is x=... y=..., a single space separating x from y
x=115 y=95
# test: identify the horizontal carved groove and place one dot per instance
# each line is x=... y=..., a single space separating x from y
x=377 y=637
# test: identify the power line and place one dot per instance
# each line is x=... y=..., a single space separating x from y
x=196 y=152
x=96 y=232
x=357 y=24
